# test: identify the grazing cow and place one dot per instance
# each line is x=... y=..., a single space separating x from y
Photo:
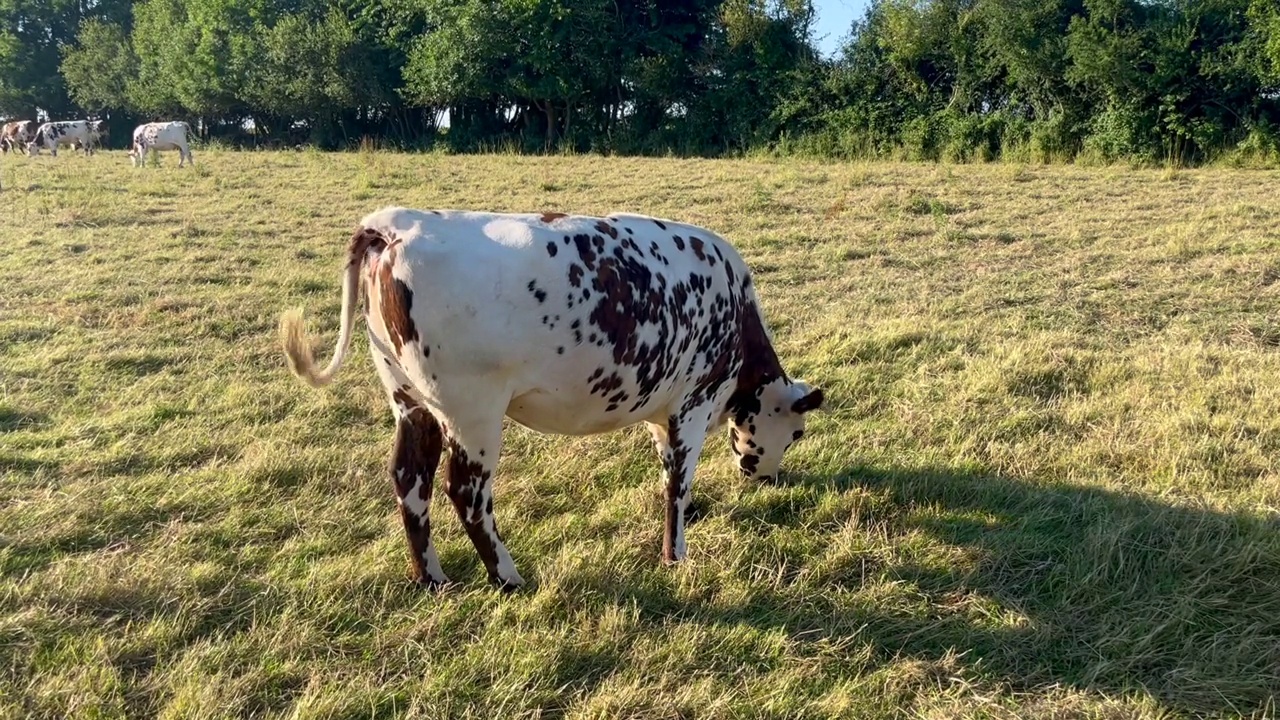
x=14 y=135
x=159 y=136
x=51 y=135
x=566 y=324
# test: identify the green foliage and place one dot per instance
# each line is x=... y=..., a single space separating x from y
x=936 y=80
x=100 y=66
x=305 y=67
x=31 y=35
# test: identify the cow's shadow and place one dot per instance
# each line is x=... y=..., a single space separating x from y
x=1062 y=586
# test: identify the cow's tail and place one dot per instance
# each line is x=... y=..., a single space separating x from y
x=297 y=349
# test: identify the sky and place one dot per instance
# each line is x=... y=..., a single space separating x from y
x=835 y=17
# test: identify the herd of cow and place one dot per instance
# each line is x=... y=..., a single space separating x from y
x=87 y=134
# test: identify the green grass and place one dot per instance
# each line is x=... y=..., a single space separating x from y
x=1045 y=486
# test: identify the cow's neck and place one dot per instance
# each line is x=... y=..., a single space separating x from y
x=760 y=364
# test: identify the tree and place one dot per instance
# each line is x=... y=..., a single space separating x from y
x=100 y=66
x=33 y=31
x=195 y=55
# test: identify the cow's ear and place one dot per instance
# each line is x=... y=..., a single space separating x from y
x=809 y=398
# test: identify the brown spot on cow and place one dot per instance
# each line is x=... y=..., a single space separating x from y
x=696 y=244
x=364 y=241
x=607 y=229
x=396 y=300
x=538 y=293
x=550 y=217
x=714 y=377
x=585 y=253
x=402 y=398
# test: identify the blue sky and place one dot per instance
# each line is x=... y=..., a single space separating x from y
x=834 y=19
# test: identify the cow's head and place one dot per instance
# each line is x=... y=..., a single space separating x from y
x=36 y=141
x=767 y=421
x=97 y=128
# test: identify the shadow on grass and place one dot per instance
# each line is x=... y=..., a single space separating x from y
x=1117 y=593
x=1113 y=593
x=216 y=610
x=13 y=419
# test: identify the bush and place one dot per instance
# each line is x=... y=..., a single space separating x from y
x=1122 y=133
x=1260 y=147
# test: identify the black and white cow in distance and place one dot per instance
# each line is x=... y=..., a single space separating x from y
x=51 y=135
x=566 y=324
x=159 y=136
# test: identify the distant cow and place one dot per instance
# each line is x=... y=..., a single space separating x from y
x=14 y=136
x=51 y=135
x=566 y=324
x=159 y=136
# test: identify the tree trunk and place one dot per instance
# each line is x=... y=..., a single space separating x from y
x=551 y=124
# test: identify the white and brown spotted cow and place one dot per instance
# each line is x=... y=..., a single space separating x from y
x=157 y=136
x=51 y=135
x=15 y=135
x=566 y=324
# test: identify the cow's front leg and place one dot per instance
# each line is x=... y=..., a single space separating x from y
x=679 y=443
x=473 y=460
x=413 y=467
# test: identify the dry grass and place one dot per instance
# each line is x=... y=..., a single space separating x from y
x=1046 y=486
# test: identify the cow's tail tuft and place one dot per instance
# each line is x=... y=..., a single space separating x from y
x=297 y=348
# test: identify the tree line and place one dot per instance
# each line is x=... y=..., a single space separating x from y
x=928 y=79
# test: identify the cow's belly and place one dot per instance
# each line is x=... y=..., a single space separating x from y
x=573 y=413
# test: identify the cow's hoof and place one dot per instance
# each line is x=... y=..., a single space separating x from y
x=433 y=585
x=507 y=586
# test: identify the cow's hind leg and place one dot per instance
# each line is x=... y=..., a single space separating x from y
x=474 y=443
x=679 y=443
x=413 y=467
x=414 y=459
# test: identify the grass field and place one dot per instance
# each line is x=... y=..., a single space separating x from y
x=1047 y=483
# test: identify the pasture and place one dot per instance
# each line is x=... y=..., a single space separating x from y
x=1046 y=482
